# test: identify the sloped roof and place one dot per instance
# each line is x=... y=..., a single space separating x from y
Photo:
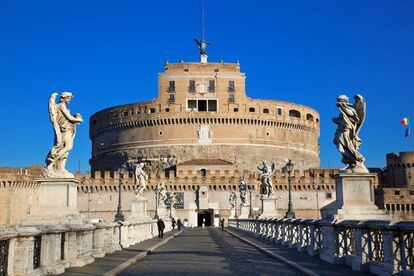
x=205 y=162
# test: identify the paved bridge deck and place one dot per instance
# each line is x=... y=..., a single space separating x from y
x=210 y=251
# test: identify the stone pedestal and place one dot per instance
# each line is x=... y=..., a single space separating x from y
x=57 y=202
x=355 y=197
x=244 y=211
x=232 y=213
x=203 y=58
x=163 y=212
x=269 y=207
x=139 y=210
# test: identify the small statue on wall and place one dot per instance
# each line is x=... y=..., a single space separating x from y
x=350 y=120
x=233 y=200
x=141 y=178
x=266 y=178
x=243 y=191
x=64 y=126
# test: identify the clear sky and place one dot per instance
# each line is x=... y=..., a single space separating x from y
x=109 y=53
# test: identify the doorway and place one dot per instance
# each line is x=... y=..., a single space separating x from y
x=205 y=215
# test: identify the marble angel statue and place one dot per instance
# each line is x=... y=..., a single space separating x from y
x=266 y=178
x=350 y=120
x=141 y=178
x=233 y=200
x=162 y=193
x=64 y=127
x=243 y=191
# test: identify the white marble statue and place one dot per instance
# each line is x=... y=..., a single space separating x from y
x=266 y=178
x=162 y=194
x=243 y=191
x=172 y=199
x=141 y=178
x=350 y=119
x=233 y=200
x=64 y=126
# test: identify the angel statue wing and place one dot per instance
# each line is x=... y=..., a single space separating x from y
x=360 y=106
x=53 y=113
x=197 y=41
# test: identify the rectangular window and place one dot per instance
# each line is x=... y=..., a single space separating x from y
x=231 y=98
x=279 y=111
x=192 y=104
x=212 y=105
x=231 y=86
x=167 y=109
x=202 y=105
x=236 y=109
x=328 y=195
x=171 y=87
x=171 y=99
x=397 y=192
x=191 y=86
x=211 y=86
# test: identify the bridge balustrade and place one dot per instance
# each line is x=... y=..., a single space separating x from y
x=48 y=250
x=380 y=247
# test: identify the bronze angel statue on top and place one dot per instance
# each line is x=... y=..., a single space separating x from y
x=350 y=120
x=64 y=126
x=202 y=46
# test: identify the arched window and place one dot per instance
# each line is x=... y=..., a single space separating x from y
x=309 y=117
x=294 y=113
x=251 y=109
x=203 y=172
x=266 y=111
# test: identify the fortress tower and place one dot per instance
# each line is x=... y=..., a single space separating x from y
x=202 y=112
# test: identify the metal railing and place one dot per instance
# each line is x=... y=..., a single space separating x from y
x=375 y=246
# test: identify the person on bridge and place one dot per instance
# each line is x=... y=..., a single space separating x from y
x=173 y=224
x=222 y=224
x=161 y=227
x=185 y=224
x=179 y=224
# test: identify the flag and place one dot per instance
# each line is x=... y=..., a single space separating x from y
x=407 y=131
x=405 y=121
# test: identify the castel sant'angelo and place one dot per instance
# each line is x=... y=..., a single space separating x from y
x=202 y=112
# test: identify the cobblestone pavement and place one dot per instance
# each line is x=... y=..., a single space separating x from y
x=302 y=258
x=207 y=251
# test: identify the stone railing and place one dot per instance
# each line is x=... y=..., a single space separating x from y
x=379 y=247
x=48 y=250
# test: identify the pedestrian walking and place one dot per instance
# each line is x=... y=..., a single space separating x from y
x=161 y=227
x=222 y=224
x=185 y=224
x=173 y=224
x=179 y=224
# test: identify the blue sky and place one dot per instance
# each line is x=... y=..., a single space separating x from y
x=109 y=53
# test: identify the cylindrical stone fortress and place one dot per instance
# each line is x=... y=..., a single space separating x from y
x=202 y=112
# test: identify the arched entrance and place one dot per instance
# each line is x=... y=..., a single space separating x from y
x=205 y=215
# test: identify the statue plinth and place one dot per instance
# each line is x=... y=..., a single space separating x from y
x=162 y=211
x=203 y=58
x=57 y=202
x=269 y=209
x=139 y=210
x=232 y=213
x=355 y=198
x=244 y=211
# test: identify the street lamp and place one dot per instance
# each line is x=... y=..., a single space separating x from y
x=289 y=212
x=250 y=188
x=316 y=188
x=156 y=202
x=119 y=217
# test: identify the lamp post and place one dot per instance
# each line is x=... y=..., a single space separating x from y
x=316 y=188
x=156 y=202
x=289 y=212
x=119 y=217
x=250 y=200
